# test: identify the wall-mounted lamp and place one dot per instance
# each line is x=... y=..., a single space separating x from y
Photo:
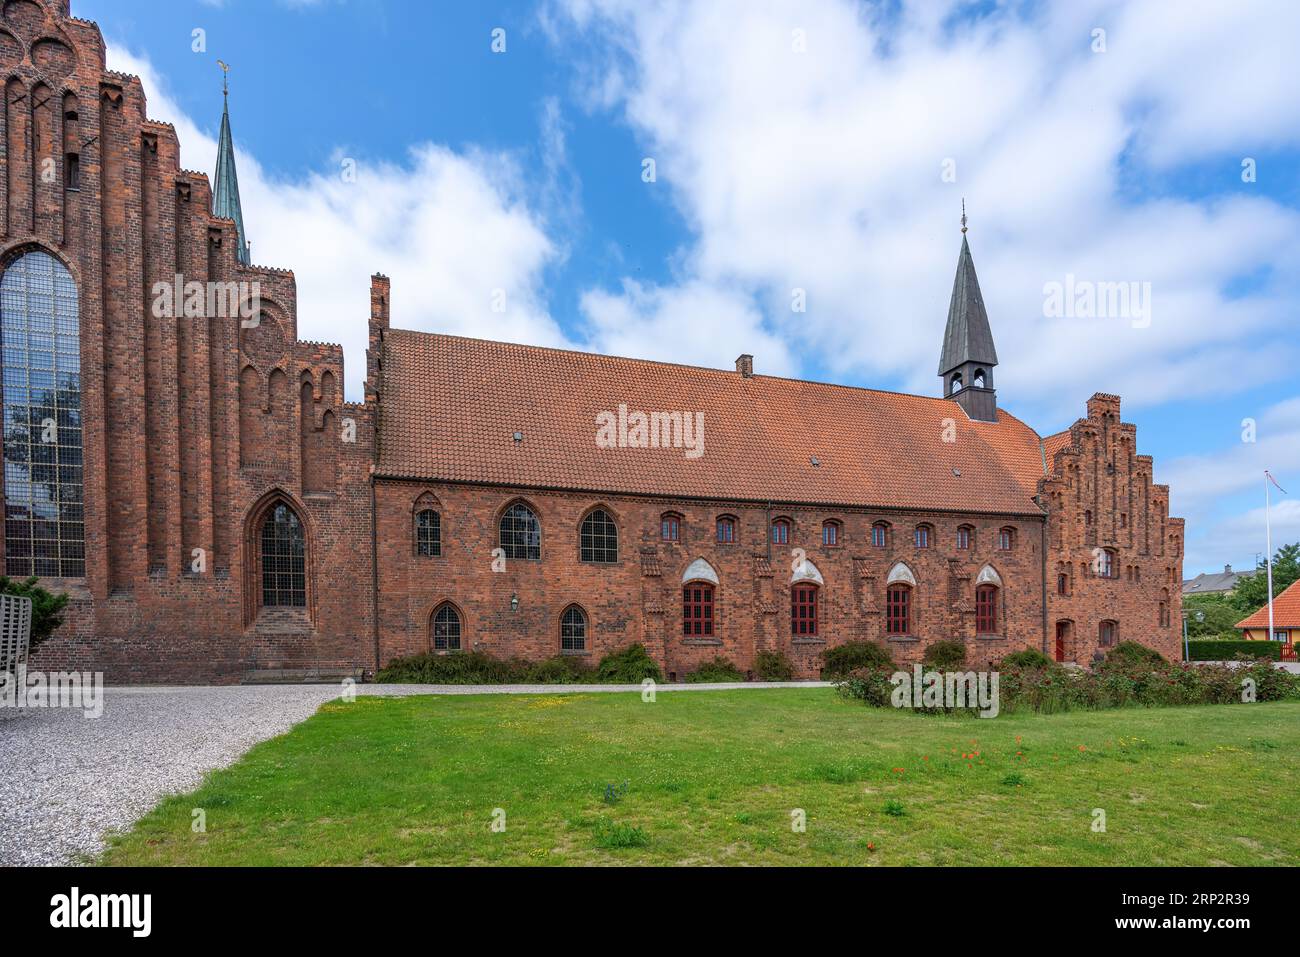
x=514 y=602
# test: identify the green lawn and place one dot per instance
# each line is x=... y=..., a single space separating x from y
x=712 y=778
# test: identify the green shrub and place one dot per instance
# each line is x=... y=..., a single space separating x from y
x=894 y=808
x=773 y=666
x=719 y=669
x=1131 y=652
x=457 y=668
x=851 y=655
x=631 y=665
x=945 y=655
x=1027 y=658
x=1213 y=649
x=47 y=607
x=560 y=670
x=869 y=685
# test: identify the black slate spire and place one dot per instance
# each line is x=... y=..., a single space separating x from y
x=968 y=357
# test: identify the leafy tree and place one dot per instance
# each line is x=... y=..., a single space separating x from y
x=47 y=607
x=1251 y=592
x=1220 y=616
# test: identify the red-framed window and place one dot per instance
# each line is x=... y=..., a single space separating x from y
x=697 y=610
x=963 y=537
x=923 y=536
x=986 y=610
x=781 y=532
x=830 y=533
x=726 y=530
x=879 y=535
x=670 y=527
x=898 y=609
x=1106 y=632
x=803 y=610
x=1006 y=538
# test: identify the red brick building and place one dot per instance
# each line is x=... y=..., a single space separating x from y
x=189 y=471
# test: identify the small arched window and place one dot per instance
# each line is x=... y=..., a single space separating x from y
x=1106 y=564
x=830 y=533
x=697 y=610
x=978 y=380
x=521 y=533
x=965 y=535
x=670 y=527
x=1063 y=584
x=1006 y=539
x=428 y=533
x=599 y=538
x=573 y=629
x=726 y=530
x=781 y=531
x=923 y=533
x=956 y=384
x=1107 y=631
x=986 y=610
x=803 y=610
x=898 y=609
x=284 y=559
x=446 y=628
x=879 y=534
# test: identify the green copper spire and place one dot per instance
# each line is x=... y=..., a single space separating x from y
x=225 y=194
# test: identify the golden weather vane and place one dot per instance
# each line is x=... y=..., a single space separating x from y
x=225 y=77
x=963 y=214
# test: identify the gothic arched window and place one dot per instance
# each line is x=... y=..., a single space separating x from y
x=428 y=533
x=44 y=517
x=446 y=628
x=284 y=559
x=521 y=533
x=573 y=629
x=599 y=538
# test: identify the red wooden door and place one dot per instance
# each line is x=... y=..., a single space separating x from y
x=1062 y=629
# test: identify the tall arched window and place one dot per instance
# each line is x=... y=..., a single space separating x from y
x=964 y=536
x=599 y=538
x=922 y=536
x=521 y=533
x=428 y=533
x=830 y=532
x=986 y=610
x=284 y=559
x=446 y=628
x=670 y=527
x=726 y=530
x=898 y=609
x=879 y=534
x=697 y=610
x=573 y=629
x=803 y=610
x=44 y=519
x=781 y=531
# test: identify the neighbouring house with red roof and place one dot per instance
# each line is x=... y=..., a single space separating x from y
x=218 y=511
x=1286 y=620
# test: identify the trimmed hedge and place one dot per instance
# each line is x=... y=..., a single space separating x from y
x=628 y=666
x=1212 y=649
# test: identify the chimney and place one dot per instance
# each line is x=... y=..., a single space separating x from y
x=745 y=365
x=379 y=292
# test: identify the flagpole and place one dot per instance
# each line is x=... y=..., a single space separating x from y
x=1268 y=556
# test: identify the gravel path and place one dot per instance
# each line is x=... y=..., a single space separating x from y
x=65 y=780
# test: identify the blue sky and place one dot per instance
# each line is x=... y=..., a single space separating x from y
x=796 y=145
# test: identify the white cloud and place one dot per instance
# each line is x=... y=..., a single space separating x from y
x=822 y=170
x=450 y=229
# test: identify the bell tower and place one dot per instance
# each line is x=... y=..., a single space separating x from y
x=968 y=357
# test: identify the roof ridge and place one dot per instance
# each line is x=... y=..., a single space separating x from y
x=699 y=368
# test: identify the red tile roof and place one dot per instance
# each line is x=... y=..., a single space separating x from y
x=451 y=406
x=1286 y=611
x=1054 y=443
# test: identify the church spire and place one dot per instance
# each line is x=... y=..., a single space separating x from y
x=968 y=357
x=225 y=193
